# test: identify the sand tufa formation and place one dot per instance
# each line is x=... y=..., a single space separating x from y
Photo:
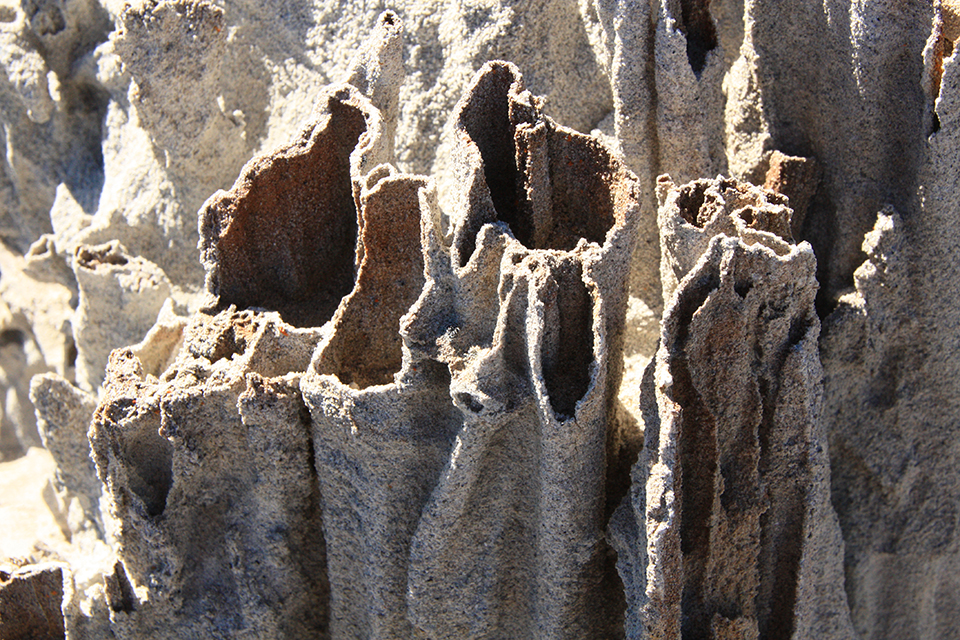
x=333 y=325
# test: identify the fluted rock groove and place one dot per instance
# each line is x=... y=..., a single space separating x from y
x=728 y=531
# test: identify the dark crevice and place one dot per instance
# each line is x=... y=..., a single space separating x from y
x=12 y=337
x=798 y=330
x=85 y=106
x=118 y=590
x=470 y=402
x=46 y=18
x=781 y=526
x=150 y=458
x=690 y=200
x=820 y=229
x=698 y=455
x=700 y=32
x=568 y=341
x=307 y=546
x=743 y=288
x=748 y=214
x=486 y=119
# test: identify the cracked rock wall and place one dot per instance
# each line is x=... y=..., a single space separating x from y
x=321 y=314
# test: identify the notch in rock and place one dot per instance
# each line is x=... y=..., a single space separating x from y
x=697 y=26
x=568 y=341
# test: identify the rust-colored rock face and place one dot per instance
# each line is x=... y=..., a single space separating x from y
x=284 y=237
x=728 y=531
x=551 y=185
x=366 y=347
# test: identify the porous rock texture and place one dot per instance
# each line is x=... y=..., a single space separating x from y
x=30 y=600
x=728 y=531
x=436 y=365
x=524 y=311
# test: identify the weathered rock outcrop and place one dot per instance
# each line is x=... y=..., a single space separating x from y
x=30 y=600
x=416 y=400
x=728 y=531
x=527 y=312
x=210 y=545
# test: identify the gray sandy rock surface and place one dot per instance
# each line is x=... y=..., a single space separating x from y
x=121 y=119
x=218 y=545
x=120 y=298
x=383 y=423
x=728 y=530
x=527 y=311
x=30 y=600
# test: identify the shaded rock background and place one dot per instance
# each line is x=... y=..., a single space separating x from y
x=121 y=119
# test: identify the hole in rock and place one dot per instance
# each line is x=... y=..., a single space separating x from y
x=46 y=18
x=469 y=402
x=70 y=357
x=486 y=119
x=574 y=200
x=690 y=200
x=568 y=341
x=700 y=33
x=389 y=281
x=798 y=329
x=119 y=592
x=224 y=336
x=290 y=241
x=12 y=337
x=934 y=123
x=150 y=459
x=90 y=257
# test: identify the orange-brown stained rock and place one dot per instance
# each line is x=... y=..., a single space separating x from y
x=798 y=179
x=366 y=347
x=551 y=185
x=283 y=238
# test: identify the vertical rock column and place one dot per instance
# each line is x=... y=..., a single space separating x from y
x=209 y=475
x=893 y=399
x=728 y=531
x=528 y=316
x=383 y=420
x=209 y=464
